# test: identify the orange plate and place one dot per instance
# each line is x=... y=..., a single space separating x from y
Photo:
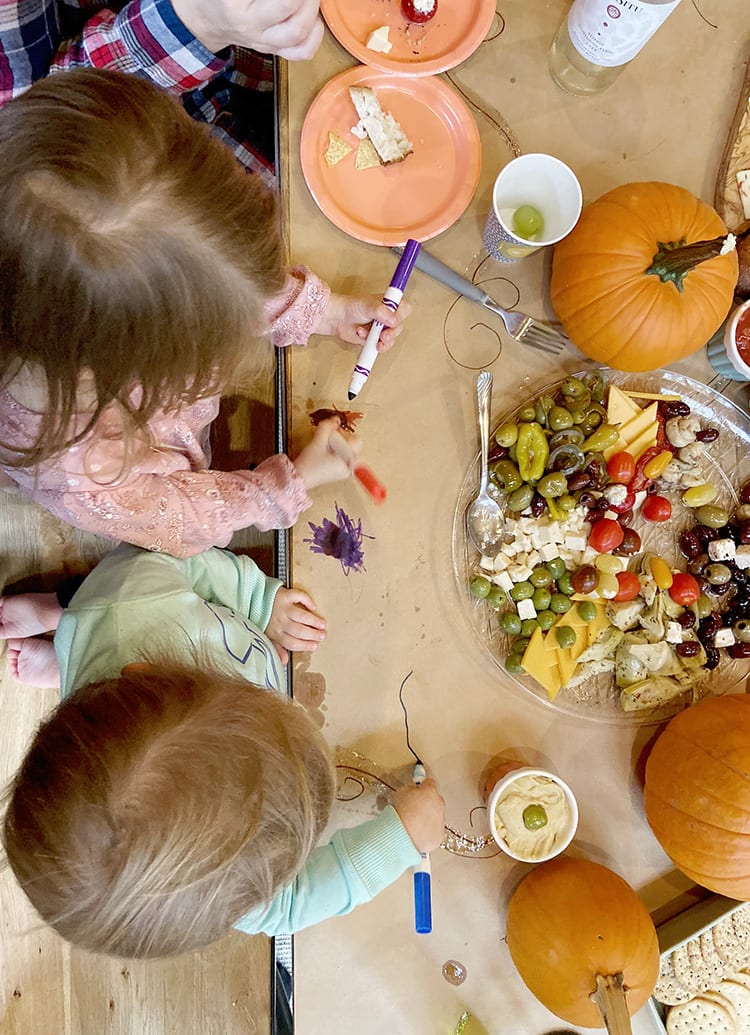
x=419 y=197
x=445 y=41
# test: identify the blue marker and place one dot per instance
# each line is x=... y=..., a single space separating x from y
x=422 y=889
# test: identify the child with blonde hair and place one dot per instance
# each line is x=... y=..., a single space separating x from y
x=141 y=277
x=176 y=793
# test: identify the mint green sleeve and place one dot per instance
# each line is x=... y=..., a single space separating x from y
x=351 y=869
x=235 y=581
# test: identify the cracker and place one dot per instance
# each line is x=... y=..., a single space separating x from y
x=337 y=149
x=700 y=1016
x=738 y=995
x=727 y=944
x=683 y=968
x=715 y=967
x=367 y=157
x=669 y=989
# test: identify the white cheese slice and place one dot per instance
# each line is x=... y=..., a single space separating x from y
x=378 y=40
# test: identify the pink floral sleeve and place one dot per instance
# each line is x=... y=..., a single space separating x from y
x=297 y=311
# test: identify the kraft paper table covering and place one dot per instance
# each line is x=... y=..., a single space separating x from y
x=665 y=118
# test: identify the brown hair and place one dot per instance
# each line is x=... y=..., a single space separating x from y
x=133 y=248
x=154 y=810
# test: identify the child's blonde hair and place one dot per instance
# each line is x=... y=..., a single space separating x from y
x=154 y=810
x=133 y=249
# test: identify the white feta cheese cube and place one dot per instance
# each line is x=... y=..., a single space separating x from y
x=724 y=638
x=378 y=40
x=674 y=632
x=742 y=557
x=589 y=555
x=575 y=543
x=722 y=550
x=487 y=563
x=548 y=552
x=501 y=562
x=511 y=549
x=519 y=572
x=526 y=609
x=526 y=525
x=543 y=535
x=533 y=558
x=503 y=580
x=639 y=498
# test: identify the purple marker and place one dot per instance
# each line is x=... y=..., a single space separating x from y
x=392 y=298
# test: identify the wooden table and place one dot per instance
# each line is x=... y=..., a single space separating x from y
x=666 y=118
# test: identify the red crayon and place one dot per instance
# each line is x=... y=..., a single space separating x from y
x=370 y=482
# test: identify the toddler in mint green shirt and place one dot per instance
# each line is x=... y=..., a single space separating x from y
x=177 y=791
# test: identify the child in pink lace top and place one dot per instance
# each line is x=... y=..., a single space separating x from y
x=141 y=277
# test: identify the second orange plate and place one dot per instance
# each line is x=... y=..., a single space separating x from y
x=419 y=197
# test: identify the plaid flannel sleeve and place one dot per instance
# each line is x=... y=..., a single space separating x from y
x=146 y=38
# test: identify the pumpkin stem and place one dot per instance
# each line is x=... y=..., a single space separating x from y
x=610 y=998
x=675 y=258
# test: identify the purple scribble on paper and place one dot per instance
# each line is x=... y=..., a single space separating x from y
x=342 y=540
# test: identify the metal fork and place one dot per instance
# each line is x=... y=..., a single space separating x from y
x=523 y=328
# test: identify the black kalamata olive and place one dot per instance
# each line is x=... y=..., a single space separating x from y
x=690 y=544
x=686 y=620
x=625 y=516
x=709 y=627
x=712 y=657
x=497 y=453
x=707 y=435
x=739 y=650
x=688 y=649
x=538 y=505
x=697 y=564
x=744 y=532
x=706 y=534
x=587 y=499
x=745 y=493
x=579 y=480
x=674 y=409
x=630 y=545
x=730 y=531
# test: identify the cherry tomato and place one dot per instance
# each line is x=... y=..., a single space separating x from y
x=656 y=508
x=621 y=468
x=410 y=11
x=630 y=586
x=606 y=535
x=684 y=589
x=640 y=481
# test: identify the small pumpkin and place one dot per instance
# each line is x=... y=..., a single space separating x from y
x=576 y=930
x=697 y=793
x=640 y=282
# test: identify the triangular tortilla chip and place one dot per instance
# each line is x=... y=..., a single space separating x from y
x=337 y=149
x=367 y=157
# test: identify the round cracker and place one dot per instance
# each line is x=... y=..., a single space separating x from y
x=684 y=969
x=727 y=944
x=700 y=1016
x=715 y=967
x=738 y=995
x=668 y=988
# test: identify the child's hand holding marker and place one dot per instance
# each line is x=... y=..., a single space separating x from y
x=341 y=446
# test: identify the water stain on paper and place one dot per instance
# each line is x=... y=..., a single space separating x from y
x=310 y=690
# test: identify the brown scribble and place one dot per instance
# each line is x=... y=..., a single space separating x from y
x=347 y=418
x=497 y=119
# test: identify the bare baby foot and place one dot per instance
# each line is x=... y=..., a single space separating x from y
x=33 y=661
x=28 y=614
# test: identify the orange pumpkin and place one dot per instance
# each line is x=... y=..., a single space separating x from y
x=697 y=793
x=571 y=921
x=627 y=291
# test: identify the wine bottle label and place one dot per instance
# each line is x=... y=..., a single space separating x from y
x=611 y=32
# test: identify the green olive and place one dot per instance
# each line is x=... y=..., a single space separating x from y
x=521 y=498
x=556 y=567
x=527 y=414
x=552 y=485
x=534 y=817
x=522 y=591
x=567 y=503
x=496 y=597
x=540 y=576
x=574 y=388
x=506 y=475
x=529 y=626
x=712 y=516
x=513 y=663
x=519 y=645
x=510 y=623
x=541 y=599
x=506 y=435
x=587 y=611
x=596 y=384
x=480 y=587
x=565 y=636
x=560 y=603
x=703 y=606
x=564 y=584
x=559 y=418
x=546 y=618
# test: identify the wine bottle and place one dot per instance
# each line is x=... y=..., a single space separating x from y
x=598 y=38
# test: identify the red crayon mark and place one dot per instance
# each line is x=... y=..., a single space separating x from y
x=370 y=482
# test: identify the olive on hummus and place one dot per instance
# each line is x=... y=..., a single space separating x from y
x=533 y=816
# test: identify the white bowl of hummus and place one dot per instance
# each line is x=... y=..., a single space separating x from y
x=533 y=814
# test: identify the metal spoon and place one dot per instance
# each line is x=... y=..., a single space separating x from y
x=484 y=519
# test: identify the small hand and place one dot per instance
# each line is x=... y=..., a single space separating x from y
x=422 y=811
x=349 y=317
x=329 y=457
x=293 y=624
x=292 y=29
